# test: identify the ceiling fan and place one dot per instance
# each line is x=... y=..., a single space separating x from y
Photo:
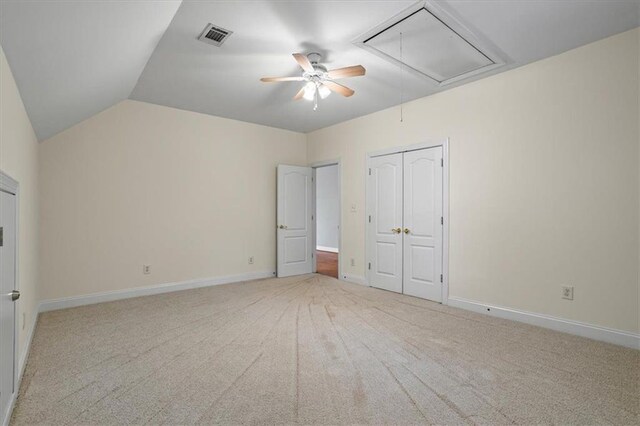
x=320 y=81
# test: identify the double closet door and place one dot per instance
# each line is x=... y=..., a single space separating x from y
x=405 y=223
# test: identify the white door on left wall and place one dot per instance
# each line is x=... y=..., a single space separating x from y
x=7 y=305
x=294 y=222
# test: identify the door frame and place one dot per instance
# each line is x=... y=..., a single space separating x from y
x=444 y=143
x=314 y=166
x=10 y=185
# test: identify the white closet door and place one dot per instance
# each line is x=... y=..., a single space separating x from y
x=385 y=222
x=295 y=234
x=423 y=223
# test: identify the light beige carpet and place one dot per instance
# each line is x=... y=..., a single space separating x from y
x=312 y=349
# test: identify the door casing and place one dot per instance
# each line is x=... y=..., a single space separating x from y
x=10 y=185
x=444 y=143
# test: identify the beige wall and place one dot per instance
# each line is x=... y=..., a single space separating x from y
x=544 y=181
x=19 y=159
x=189 y=194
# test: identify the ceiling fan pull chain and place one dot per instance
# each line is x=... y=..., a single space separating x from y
x=315 y=99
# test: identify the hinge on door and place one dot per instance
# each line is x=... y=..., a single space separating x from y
x=369 y=172
x=369 y=265
x=1 y=234
x=311 y=217
x=311 y=254
x=369 y=218
x=440 y=277
x=441 y=220
x=442 y=162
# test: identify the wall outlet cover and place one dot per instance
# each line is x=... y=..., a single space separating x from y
x=146 y=269
x=567 y=292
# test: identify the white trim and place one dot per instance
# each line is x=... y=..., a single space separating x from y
x=329 y=249
x=325 y=163
x=25 y=354
x=356 y=279
x=482 y=44
x=609 y=335
x=109 y=296
x=22 y=364
x=410 y=147
x=445 y=225
x=445 y=203
x=9 y=184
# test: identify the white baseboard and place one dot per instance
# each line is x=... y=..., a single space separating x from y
x=609 y=335
x=22 y=363
x=109 y=296
x=329 y=249
x=356 y=279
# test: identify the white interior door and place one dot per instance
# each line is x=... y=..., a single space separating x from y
x=295 y=232
x=7 y=305
x=423 y=220
x=384 y=242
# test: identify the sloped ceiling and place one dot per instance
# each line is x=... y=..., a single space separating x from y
x=74 y=59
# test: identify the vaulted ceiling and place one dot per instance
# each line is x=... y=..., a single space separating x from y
x=74 y=59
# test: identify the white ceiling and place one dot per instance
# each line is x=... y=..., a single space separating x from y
x=72 y=60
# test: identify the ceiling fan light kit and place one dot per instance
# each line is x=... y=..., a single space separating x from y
x=319 y=81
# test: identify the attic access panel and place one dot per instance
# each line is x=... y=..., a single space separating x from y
x=431 y=44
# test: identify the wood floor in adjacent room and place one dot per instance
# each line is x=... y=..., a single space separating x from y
x=312 y=349
x=327 y=263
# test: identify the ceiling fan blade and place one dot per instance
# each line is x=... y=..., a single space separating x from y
x=277 y=79
x=338 y=88
x=303 y=61
x=299 y=94
x=353 y=71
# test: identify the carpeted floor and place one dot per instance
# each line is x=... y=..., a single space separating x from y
x=314 y=350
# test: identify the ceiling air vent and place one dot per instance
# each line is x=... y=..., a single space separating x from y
x=214 y=35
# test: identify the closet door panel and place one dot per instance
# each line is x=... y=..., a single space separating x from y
x=422 y=231
x=384 y=210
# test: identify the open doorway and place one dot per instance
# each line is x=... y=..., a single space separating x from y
x=327 y=207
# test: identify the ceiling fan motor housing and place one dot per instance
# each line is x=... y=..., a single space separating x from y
x=315 y=59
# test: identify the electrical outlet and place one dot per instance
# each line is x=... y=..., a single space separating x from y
x=353 y=208
x=250 y=260
x=567 y=292
x=146 y=269
x=353 y=262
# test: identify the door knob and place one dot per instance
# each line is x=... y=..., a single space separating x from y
x=15 y=295
x=406 y=230
x=282 y=226
x=396 y=230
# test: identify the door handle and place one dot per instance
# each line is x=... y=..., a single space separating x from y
x=282 y=226
x=396 y=230
x=15 y=295
x=406 y=230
